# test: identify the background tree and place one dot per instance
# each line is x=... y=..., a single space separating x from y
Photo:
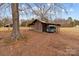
x=76 y=22
x=71 y=22
x=1 y=24
x=23 y=23
x=45 y=11
x=5 y=21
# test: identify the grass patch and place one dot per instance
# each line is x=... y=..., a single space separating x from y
x=22 y=38
x=9 y=41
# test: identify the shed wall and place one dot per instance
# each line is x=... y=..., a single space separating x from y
x=37 y=26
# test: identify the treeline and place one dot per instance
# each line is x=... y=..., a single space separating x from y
x=5 y=21
x=70 y=22
x=67 y=22
x=23 y=23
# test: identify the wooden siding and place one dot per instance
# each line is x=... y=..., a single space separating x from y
x=37 y=26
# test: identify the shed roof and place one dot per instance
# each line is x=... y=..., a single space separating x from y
x=43 y=22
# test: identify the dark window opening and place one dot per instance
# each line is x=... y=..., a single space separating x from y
x=51 y=28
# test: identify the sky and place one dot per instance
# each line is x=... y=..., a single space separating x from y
x=73 y=11
x=72 y=8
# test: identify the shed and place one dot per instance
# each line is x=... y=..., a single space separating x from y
x=42 y=26
x=8 y=25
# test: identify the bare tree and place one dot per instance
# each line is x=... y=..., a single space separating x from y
x=14 y=7
x=15 y=17
x=40 y=11
x=45 y=11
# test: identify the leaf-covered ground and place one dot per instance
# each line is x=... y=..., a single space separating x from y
x=66 y=42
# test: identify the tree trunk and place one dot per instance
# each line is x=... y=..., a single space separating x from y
x=15 y=17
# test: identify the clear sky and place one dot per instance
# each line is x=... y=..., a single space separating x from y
x=73 y=11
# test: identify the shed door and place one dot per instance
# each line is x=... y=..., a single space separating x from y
x=44 y=27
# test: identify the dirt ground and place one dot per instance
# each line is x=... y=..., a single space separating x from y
x=63 y=43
